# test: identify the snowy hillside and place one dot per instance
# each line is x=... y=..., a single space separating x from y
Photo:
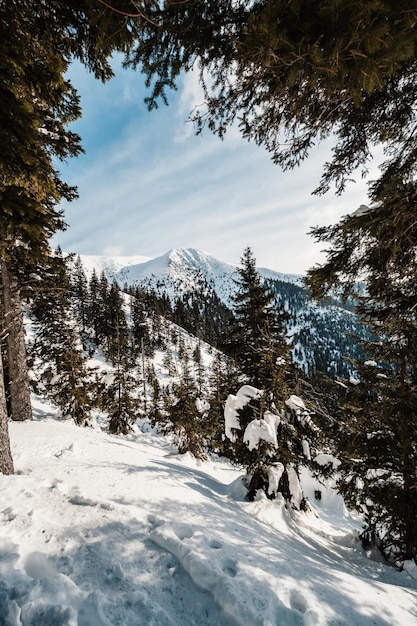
x=99 y=530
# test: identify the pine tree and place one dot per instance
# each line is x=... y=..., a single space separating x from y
x=199 y=367
x=169 y=364
x=80 y=294
x=224 y=376
x=117 y=341
x=120 y=400
x=378 y=450
x=99 y=310
x=291 y=74
x=140 y=326
x=261 y=349
x=156 y=405
x=37 y=102
x=271 y=446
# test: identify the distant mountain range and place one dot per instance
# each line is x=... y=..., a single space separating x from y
x=180 y=271
x=321 y=333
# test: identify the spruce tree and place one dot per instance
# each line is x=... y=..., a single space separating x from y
x=80 y=294
x=37 y=102
x=36 y=105
x=258 y=335
x=140 y=326
x=119 y=400
x=224 y=376
x=258 y=339
x=378 y=450
x=100 y=322
x=117 y=341
x=155 y=413
x=94 y=307
x=292 y=74
x=199 y=370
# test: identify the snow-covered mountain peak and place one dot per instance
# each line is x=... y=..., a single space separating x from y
x=182 y=271
x=188 y=256
x=192 y=259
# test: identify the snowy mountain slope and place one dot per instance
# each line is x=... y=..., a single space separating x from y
x=112 y=266
x=98 y=530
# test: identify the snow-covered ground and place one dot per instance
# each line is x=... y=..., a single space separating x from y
x=99 y=530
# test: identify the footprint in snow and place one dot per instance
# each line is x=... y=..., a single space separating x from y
x=230 y=567
x=215 y=544
x=8 y=514
x=69 y=448
x=183 y=531
x=297 y=601
x=81 y=500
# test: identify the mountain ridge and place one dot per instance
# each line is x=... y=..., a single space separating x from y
x=177 y=272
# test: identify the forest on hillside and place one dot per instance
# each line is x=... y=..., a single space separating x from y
x=216 y=380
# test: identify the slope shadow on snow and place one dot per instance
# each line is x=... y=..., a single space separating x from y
x=201 y=479
x=116 y=576
x=139 y=538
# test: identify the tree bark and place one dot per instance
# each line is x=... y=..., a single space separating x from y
x=6 y=461
x=21 y=408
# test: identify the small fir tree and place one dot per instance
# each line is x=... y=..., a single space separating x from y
x=80 y=294
x=117 y=340
x=224 y=376
x=185 y=420
x=120 y=399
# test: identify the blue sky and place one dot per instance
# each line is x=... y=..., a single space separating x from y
x=148 y=184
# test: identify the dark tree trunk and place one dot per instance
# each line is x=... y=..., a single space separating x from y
x=21 y=408
x=6 y=461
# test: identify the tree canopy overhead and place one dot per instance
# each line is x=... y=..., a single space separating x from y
x=291 y=73
x=37 y=102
